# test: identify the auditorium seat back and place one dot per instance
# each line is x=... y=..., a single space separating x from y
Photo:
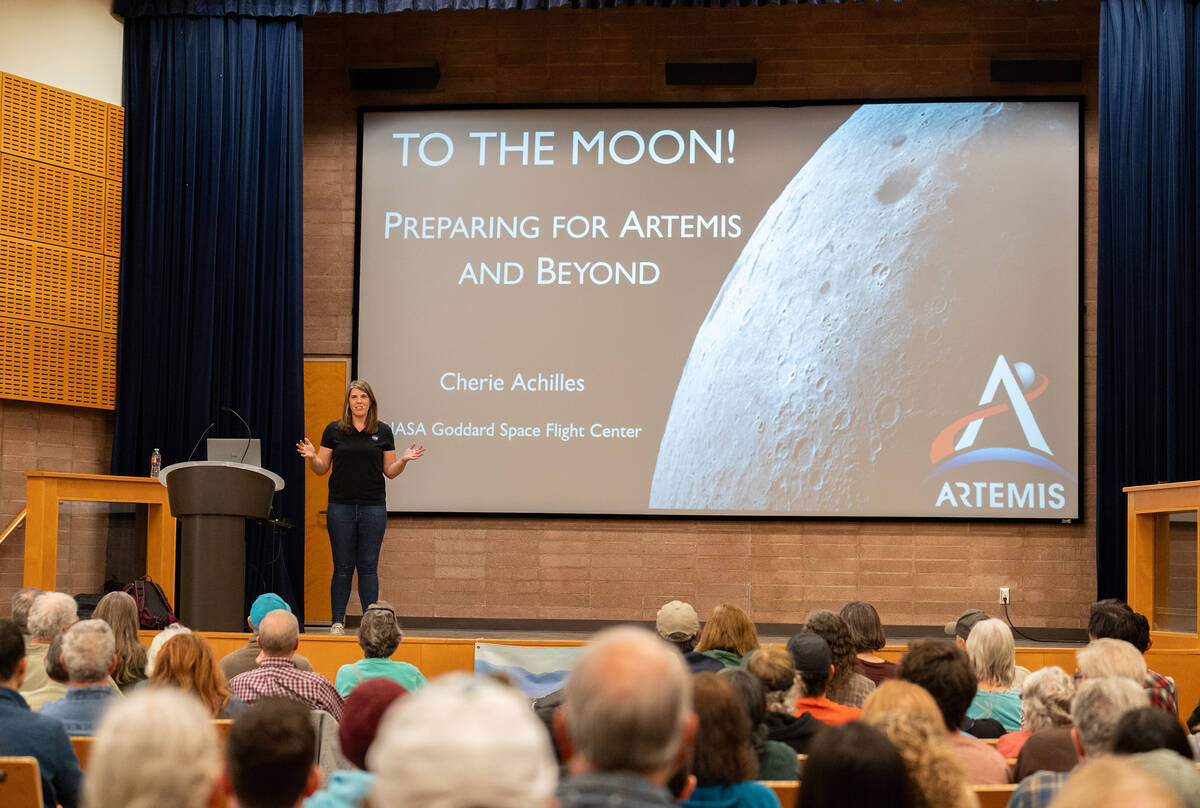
x=20 y=783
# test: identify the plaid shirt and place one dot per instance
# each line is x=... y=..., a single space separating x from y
x=1038 y=789
x=1162 y=692
x=856 y=691
x=279 y=676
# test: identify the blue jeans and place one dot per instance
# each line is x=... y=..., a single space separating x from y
x=355 y=535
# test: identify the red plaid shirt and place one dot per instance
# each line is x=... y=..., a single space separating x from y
x=279 y=676
x=1162 y=692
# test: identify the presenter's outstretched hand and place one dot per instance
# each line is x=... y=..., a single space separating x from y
x=306 y=449
x=413 y=452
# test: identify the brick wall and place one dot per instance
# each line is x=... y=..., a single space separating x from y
x=915 y=572
x=43 y=437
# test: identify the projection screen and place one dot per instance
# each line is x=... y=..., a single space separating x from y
x=856 y=310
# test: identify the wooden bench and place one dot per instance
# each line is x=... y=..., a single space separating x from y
x=20 y=783
x=787 y=791
x=994 y=796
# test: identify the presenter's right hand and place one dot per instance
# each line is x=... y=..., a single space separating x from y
x=306 y=449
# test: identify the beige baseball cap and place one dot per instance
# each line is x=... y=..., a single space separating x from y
x=677 y=621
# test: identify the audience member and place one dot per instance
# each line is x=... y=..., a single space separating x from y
x=463 y=742
x=1177 y=773
x=723 y=760
x=776 y=761
x=25 y=733
x=993 y=656
x=728 y=635
x=269 y=755
x=910 y=718
x=846 y=685
x=866 y=632
x=1108 y=657
x=1045 y=704
x=678 y=623
x=1113 y=782
x=55 y=668
x=365 y=708
x=379 y=636
x=246 y=659
x=627 y=724
x=1147 y=729
x=1096 y=711
x=156 y=644
x=854 y=764
x=1113 y=619
x=943 y=669
x=960 y=629
x=1054 y=749
x=154 y=749
x=277 y=673
x=773 y=666
x=22 y=600
x=120 y=611
x=814 y=665
x=89 y=654
x=187 y=662
x=50 y=615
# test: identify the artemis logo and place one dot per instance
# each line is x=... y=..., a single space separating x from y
x=1021 y=386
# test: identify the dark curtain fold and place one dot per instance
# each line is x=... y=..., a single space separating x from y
x=129 y=9
x=211 y=272
x=1147 y=399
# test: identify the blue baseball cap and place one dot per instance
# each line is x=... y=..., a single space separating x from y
x=267 y=602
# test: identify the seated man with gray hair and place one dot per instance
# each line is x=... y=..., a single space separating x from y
x=626 y=724
x=1096 y=711
x=50 y=614
x=277 y=673
x=89 y=653
x=462 y=742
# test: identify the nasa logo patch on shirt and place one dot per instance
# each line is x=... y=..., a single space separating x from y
x=374 y=437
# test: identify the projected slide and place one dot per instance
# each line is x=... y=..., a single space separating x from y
x=842 y=310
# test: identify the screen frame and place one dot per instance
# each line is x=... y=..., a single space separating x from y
x=1081 y=312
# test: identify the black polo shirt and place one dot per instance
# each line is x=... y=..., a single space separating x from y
x=357 y=476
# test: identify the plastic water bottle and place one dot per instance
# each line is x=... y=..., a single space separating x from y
x=155 y=463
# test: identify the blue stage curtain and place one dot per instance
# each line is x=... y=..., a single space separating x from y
x=211 y=270
x=1147 y=399
x=129 y=9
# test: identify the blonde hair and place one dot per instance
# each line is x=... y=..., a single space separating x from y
x=992 y=653
x=910 y=718
x=774 y=667
x=728 y=629
x=156 y=747
x=1109 y=657
x=1046 y=699
x=1114 y=782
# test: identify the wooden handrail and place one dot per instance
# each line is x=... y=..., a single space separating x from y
x=16 y=523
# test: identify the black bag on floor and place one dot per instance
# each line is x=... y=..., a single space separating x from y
x=154 y=610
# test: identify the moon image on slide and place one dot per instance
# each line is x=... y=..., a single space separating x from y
x=822 y=339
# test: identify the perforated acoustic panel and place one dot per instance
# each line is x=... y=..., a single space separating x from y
x=60 y=244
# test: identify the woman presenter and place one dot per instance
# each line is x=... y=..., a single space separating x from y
x=361 y=452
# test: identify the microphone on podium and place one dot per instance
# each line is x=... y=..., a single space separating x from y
x=233 y=412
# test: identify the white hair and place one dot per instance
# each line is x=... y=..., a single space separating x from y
x=990 y=649
x=159 y=640
x=459 y=743
x=88 y=649
x=50 y=614
x=1098 y=707
x=157 y=747
x=1046 y=699
x=627 y=701
x=1109 y=657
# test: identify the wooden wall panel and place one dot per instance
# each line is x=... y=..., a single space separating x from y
x=60 y=243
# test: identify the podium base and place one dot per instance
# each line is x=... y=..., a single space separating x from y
x=212 y=578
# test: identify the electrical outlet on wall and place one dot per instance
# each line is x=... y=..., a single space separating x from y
x=1004 y=595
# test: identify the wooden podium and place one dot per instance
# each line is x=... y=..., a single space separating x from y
x=1163 y=550
x=45 y=490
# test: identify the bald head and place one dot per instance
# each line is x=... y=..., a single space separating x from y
x=278 y=633
x=627 y=702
